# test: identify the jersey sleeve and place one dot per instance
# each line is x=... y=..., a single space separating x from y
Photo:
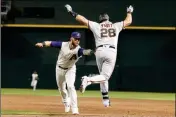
x=80 y=52
x=92 y=25
x=57 y=44
x=119 y=25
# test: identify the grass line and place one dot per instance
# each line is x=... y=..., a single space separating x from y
x=113 y=94
x=26 y=112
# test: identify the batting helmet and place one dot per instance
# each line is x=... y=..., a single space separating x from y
x=103 y=17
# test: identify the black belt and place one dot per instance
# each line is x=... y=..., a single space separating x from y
x=109 y=46
x=63 y=68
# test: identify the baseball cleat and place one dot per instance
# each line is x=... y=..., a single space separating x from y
x=75 y=111
x=67 y=107
x=84 y=84
x=106 y=102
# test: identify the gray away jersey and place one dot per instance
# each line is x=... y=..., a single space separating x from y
x=67 y=58
x=106 y=32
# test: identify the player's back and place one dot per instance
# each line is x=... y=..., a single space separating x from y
x=67 y=57
x=106 y=32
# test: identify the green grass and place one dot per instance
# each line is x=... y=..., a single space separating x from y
x=26 y=112
x=113 y=94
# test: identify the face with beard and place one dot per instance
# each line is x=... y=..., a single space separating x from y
x=75 y=41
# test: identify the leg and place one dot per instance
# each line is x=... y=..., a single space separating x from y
x=105 y=62
x=70 y=80
x=61 y=83
x=34 y=85
x=86 y=81
x=107 y=69
x=104 y=88
x=104 y=67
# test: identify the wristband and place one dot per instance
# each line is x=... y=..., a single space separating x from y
x=74 y=14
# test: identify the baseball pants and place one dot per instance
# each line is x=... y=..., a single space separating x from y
x=66 y=78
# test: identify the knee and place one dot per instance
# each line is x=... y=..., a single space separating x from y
x=106 y=76
x=69 y=87
x=62 y=89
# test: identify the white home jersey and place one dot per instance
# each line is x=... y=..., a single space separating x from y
x=34 y=76
x=106 y=32
x=67 y=58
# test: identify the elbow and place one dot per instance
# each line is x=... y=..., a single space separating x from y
x=82 y=20
x=127 y=23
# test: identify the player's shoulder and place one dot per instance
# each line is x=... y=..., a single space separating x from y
x=93 y=23
x=78 y=47
x=65 y=43
x=118 y=22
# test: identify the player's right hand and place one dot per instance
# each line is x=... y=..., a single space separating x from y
x=39 y=45
x=68 y=7
x=130 y=9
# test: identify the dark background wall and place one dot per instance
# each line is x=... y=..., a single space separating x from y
x=146 y=59
x=146 y=12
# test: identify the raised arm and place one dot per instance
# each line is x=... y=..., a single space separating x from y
x=56 y=44
x=128 y=19
x=78 y=17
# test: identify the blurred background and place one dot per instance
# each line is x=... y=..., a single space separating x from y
x=146 y=59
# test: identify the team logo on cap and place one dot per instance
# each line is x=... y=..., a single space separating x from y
x=76 y=35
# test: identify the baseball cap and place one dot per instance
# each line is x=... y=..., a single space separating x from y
x=76 y=35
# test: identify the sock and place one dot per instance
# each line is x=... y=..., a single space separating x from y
x=105 y=96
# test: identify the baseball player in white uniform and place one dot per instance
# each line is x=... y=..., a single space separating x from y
x=106 y=38
x=69 y=54
x=34 y=80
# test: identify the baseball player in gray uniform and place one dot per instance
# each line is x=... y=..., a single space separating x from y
x=106 y=38
x=69 y=54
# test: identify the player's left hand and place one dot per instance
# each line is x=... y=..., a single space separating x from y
x=68 y=7
x=39 y=45
x=130 y=9
x=88 y=52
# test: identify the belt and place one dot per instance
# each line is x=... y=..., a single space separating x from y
x=63 y=68
x=108 y=46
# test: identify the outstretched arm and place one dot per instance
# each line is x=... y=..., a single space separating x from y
x=128 y=19
x=85 y=52
x=56 y=44
x=82 y=20
x=78 y=17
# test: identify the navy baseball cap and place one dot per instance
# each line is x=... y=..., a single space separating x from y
x=76 y=35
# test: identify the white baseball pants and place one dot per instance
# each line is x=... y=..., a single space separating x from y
x=67 y=78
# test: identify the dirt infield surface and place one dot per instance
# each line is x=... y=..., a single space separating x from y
x=88 y=107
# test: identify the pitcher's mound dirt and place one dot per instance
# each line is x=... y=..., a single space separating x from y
x=87 y=106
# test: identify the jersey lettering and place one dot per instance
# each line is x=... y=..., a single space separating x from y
x=73 y=57
x=111 y=32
